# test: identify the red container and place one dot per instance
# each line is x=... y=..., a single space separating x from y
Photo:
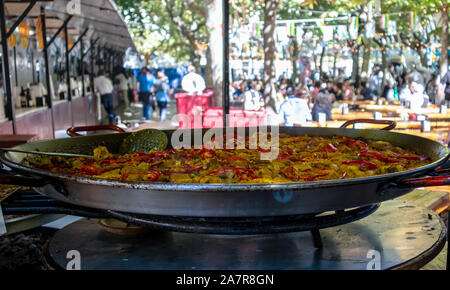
x=186 y=102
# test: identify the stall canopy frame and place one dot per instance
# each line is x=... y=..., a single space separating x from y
x=91 y=16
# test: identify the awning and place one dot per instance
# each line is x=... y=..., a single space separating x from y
x=101 y=16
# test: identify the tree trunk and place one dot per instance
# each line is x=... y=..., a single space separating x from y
x=444 y=40
x=214 y=53
x=270 y=15
x=322 y=54
x=355 y=69
x=366 y=57
x=294 y=59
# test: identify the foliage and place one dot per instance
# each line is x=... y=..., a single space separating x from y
x=166 y=26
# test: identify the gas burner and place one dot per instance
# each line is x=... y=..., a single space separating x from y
x=246 y=226
x=374 y=242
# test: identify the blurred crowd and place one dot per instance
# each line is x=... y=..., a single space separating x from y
x=312 y=99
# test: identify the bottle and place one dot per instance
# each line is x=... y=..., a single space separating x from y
x=23 y=98
x=28 y=98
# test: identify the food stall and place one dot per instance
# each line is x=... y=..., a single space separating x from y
x=38 y=98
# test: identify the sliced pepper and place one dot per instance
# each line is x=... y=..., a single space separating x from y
x=362 y=164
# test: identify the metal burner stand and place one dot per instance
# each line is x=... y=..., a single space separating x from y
x=345 y=240
x=26 y=202
x=397 y=236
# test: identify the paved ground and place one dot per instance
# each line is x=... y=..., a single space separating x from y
x=133 y=115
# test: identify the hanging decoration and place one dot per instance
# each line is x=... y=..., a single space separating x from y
x=70 y=44
x=12 y=40
x=24 y=33
x=292 y=29
x=412 y=18
x=309 y=3
x=384 y=21
x=39 y=34
x=353 y=28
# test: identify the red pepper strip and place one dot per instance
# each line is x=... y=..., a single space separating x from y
x=263 y=150
x=331 y=148
x=153 y=176
x=352 y=143
x=290 y=171
x=419 y=158
x=237 y=158
x=363 y=146
x=320 y=166
x=91 y=170
x=287 y=153
x=296 y=159
x=363 y=164
x=378 y=156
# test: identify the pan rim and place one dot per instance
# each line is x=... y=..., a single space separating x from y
x=224 y=187
x=232 y=187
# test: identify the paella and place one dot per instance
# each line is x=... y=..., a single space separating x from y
x=299 y=159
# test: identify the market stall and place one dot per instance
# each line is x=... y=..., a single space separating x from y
x=48 y=84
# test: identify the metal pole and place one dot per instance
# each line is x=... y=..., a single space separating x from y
x=92 y=49
x=69 y=88
x=226 y=75
x=32 y=66
x=15 y=65
x=7 y=75
x=47 y=69
x=83 y=88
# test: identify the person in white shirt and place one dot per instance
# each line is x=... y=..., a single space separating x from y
x=418 y=98
x=406 y=93
x=193 y=83
x=295 y=110
x=105 y=87
x=123 y=84
x=252 y=98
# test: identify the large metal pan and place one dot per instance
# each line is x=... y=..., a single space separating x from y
x=226 y=200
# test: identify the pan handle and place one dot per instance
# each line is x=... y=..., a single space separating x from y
x=72 y=132
x=391 y=124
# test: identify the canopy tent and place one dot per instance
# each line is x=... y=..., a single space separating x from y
x=100 y=16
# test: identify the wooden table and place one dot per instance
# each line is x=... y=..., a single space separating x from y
x=7 y=141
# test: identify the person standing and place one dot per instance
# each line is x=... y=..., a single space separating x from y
x=374 y=83
x=322 y=104
x=145 y=82
x=123 y=84
x=132 y=84
x=162 y=94
x=252 y=99
x=390 y=84
x=445 y=82
x=294 y=110
x=104 y=86
x=193 y=83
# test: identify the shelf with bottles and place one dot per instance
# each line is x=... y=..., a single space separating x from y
x=32 y=95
